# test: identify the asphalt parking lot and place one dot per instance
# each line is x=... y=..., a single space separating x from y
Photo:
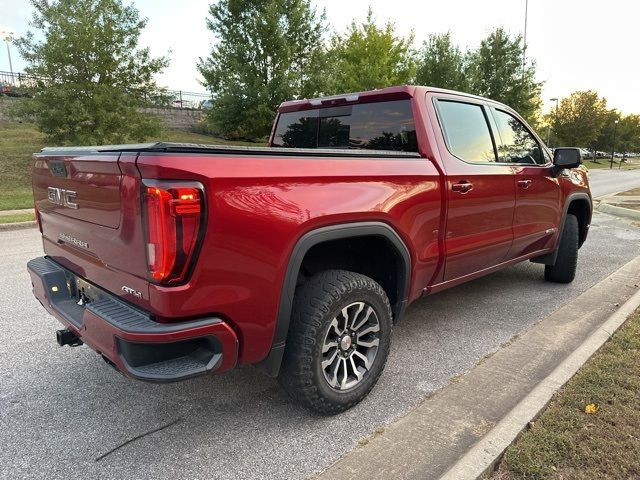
x=62 y=410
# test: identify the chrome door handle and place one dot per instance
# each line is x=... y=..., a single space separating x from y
x=462 y=187
x=524 y=183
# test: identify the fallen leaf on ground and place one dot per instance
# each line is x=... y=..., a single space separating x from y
x=591 y=408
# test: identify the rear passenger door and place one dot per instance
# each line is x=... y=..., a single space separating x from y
x=480 y=191
x=537 y=213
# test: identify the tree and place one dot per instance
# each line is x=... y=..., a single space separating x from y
x=368 y=57
x=266 y=52
x=604 y=139
x=93 y=73
x=579 y=119
x=628 y=138
x=495 y=71
x=442 y=64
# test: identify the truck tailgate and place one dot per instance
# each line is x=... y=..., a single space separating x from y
x=90 y=215
x=85 y=188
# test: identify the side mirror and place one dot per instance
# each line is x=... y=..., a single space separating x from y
x=567 y=158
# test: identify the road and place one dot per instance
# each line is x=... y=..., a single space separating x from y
x=61 y=409
x=606 y=182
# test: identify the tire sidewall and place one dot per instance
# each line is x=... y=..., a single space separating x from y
x=564 y=270
x=381 y=309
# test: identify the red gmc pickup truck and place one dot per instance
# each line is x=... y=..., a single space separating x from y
x=175 y=260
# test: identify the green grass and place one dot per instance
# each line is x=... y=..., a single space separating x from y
x=566 y=442
x=18 y=217
x=14 y=197
x=602 y=163
x=18 y=141
x=605 y=163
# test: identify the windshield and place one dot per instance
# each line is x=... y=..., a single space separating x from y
x=372 y=126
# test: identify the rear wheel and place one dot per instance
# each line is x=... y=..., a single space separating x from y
x=564 y=270
x=338 y=341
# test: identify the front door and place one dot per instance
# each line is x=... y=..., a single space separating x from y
x=480 y=192
x=537 y=213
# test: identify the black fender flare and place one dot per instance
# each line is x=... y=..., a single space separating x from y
x=271 y=364
x=550 y=258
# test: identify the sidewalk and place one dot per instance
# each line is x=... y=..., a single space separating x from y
x=436 y=437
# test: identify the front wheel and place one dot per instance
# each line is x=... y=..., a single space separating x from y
x=564 y=270
x=338 y=341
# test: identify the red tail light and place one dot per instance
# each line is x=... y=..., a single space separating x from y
x=174 y=213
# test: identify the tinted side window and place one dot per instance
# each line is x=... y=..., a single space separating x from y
x=466 y=131
x=516 y=144
x=372 y=126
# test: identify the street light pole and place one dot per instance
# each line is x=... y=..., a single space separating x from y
x=9 y=55
x=7 y=36
x=524 y=46
x=613 y=144
x=556 y=115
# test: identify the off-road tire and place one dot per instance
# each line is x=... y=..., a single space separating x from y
x=316 y=304
x=564 y=270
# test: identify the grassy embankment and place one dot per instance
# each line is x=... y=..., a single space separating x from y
x=18 y=141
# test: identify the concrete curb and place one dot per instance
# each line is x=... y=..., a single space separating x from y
x=618 y=211
x=438 y=435
x=7 y=227
x=484 y=455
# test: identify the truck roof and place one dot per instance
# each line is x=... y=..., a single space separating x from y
x=384 y=94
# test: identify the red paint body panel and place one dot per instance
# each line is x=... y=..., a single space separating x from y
x=259 y=206
x=538 y=209
x=95 y=179
x=115 y=256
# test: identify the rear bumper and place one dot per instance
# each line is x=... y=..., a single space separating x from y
x=126 y=336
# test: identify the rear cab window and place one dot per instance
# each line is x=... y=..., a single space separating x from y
x=369 y=126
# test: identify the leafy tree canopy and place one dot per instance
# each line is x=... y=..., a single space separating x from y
x=368 y=57
x=604 y=139
x=628 y=138
x=266 y=52
x=442 y=64
x=579 y=119
x=93 y=73
x=496 y=71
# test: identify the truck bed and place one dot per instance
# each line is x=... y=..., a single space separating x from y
x=171 y=147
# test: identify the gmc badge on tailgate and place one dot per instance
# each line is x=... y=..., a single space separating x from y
x=63 y=197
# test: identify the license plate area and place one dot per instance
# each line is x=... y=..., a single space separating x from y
x=82 y=291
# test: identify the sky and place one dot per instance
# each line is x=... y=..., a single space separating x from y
x=577 y=44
